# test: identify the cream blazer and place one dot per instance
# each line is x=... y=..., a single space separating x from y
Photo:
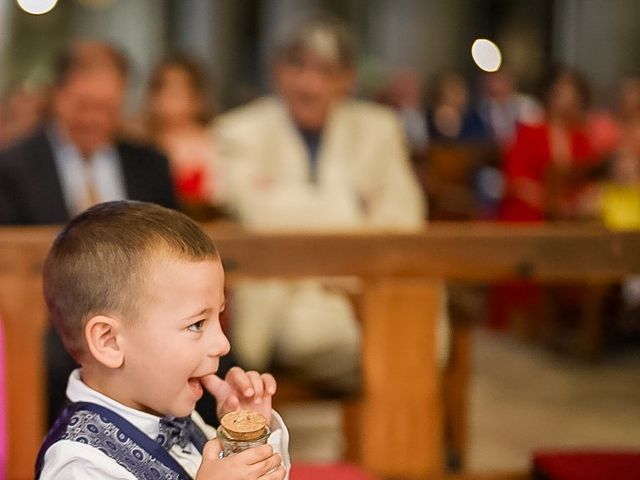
x=364 y=180
x=364 y=175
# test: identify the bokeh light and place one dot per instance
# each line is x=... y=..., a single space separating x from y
x=486 y=54
x=37 y=7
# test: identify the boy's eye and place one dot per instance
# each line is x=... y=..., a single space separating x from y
x=196 y=327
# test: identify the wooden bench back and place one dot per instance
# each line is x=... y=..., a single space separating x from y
x=401 y=405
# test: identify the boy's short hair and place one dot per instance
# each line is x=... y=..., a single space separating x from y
x=97 y=265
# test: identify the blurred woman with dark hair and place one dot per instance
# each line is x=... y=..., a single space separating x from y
x=178 y=109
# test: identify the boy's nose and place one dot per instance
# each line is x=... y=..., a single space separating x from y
x=219 y=345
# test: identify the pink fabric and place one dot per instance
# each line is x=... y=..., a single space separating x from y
x=3 y=410
x=326 y=472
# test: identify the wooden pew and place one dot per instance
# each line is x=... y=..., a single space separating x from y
x=401 y=417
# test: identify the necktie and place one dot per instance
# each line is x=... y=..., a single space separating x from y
x=175 y=431
x=91 y=197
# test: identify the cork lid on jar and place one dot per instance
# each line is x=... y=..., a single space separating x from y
x=244 y=425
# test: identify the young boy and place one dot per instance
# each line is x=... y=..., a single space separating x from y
x=135 y=291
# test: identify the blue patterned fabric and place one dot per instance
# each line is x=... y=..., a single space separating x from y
x=117 y=438
x=181 y=432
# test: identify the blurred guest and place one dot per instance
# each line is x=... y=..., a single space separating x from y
x=606 y=130
x=75 y=161
x=502 y=108
x=629 y=105
x=620 y=196
x=405 y=95
x=543 y=164
x=452 y=118
x=23 y=111
x=544 y=181
x=177 y=112
x=312 y=158
x=620 y=210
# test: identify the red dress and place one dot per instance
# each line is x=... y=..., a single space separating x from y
x=529 y=158
x=190 y=185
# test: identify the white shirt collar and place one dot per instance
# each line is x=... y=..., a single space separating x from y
x=59 y=138
x=104 y=167
x=78 y=391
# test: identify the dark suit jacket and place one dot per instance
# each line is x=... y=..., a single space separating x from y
x=31 y=192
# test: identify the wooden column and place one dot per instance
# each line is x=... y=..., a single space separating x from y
x=591 y=331
x=23 y=312
x=401 y=431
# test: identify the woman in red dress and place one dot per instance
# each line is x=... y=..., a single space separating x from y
x=542 y=167
x=544 y=180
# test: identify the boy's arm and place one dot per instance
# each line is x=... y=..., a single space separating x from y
x=77 y=461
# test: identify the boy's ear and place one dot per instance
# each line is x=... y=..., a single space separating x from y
x=102 y=333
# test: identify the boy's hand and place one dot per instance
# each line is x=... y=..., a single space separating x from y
x=255 y=463
x=242 y=390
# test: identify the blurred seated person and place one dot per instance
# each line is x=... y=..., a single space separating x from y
x=620 y=210
x=620 y=193
x=451 y=117
x=76 y=160
x=22 y=111
x=545 y=179
x=607 y=129
x=502 y=108
x=177 y=112
x=311 y=157
x=405 y=94
x=459 y=142
x=542 y=168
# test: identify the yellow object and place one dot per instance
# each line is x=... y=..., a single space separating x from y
x=620 y=206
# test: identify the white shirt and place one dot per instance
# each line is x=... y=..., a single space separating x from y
x=103 y=168
x=77 y=461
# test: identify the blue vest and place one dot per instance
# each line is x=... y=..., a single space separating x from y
x=117 y=438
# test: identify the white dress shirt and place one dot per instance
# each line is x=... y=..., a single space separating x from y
x=103 y=170
x=77 y=461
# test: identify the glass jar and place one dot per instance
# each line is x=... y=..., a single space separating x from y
x=231 y=446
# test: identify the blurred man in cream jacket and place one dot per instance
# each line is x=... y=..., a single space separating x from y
x=312 y=158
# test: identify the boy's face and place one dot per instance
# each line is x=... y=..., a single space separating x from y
x=177 y=337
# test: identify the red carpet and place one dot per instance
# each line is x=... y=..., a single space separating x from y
x=587 y=465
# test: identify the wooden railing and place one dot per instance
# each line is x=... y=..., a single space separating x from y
x=401 y=407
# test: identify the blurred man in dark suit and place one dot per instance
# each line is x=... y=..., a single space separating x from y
x=75 y=160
